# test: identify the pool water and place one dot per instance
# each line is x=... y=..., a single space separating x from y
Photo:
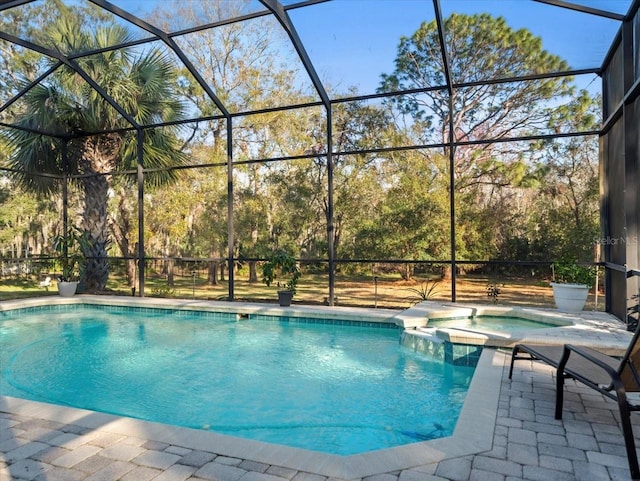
x=340 y=389
x=493 y=323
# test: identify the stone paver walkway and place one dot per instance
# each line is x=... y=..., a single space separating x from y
x=528 y=444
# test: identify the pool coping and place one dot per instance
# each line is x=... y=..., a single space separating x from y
x=473 y=432
x=326 y=312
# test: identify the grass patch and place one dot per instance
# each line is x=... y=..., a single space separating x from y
x=351 y=290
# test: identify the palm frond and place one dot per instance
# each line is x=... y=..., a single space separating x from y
x=35 y=160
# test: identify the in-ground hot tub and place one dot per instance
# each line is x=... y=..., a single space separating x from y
x=457 y=333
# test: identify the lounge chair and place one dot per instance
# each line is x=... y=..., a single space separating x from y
x=612 y=377
x=46 y=283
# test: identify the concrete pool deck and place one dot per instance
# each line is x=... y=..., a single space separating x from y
x=506 y=431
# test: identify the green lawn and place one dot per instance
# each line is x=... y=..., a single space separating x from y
x=388 y=291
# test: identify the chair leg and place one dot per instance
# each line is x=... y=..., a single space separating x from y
x=559 y=393
x=513 y=358
x=627 y=431
x=560 y=375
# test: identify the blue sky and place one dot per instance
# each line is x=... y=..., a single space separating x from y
x=352 y=42
x=362 y=41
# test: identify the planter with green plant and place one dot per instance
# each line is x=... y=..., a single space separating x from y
x=70 y=250
x=571 y=284
x=282 y=265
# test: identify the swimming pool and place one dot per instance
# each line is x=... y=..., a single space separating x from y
x=339 y=387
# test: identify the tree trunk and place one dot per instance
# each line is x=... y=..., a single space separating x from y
x=120 y=228
x=96 y=268
x=131 y=273
x=406 y=271
x=212 y=273
x=170 y=279
x=253 y=271
x=446 y=273
x=98 y=161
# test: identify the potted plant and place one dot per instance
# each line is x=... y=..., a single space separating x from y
x=571 y=284
x=69 y=247
x=282 y=264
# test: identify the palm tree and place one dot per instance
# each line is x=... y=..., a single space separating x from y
x=90 y=148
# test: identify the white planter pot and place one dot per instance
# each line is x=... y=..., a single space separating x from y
x=67 y=289
x=570 y=297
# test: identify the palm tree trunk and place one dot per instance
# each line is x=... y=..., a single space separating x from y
x=99 y=154
x=96 y=195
